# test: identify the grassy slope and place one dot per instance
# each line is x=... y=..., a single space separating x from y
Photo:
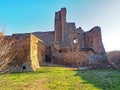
x=60 y=78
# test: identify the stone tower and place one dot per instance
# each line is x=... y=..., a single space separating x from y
x=60 y=25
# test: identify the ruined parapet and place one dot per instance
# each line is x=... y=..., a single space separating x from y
x=79 y=30
x=93 y=40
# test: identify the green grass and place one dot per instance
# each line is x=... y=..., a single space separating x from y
x=61 y=78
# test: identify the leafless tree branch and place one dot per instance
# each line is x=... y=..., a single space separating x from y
x=7 y=52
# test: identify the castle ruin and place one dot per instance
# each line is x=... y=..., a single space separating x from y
x=66 y=45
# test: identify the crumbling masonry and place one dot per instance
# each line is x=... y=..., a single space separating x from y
x=66 y=45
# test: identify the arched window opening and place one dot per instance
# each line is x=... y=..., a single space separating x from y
x=75 y=40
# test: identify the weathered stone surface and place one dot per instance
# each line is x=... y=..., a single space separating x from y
x=77 y=45
x=60 y=25
x=30 y=52
x=66 y=45
x=70 y=56
x=97 y=60
x=46 y=37
x=36 y=52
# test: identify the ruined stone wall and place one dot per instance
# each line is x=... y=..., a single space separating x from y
x=36 y=52
x=88 y=40
x=63 y=22
x=74 y=55
x=30 y=52
x=22 y=59
x=60 y=25
x=68 y=38
x=93 y=39
x=81 y=40
x=49 y=40
x=65 y=45
x=79 y=30
x=73 y=38
x=97 y=40
x=69 y=28
x=71 y=55
x=46 y=37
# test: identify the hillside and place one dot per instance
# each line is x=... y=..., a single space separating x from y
x=114 y=58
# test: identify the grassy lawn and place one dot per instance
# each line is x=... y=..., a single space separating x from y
x=61 y=78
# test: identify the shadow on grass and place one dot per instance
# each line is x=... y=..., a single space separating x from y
x=104 y=79
x=39 y=71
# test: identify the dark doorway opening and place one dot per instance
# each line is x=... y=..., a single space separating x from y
x=48 y=58
x=48 y=54
x=24 y=67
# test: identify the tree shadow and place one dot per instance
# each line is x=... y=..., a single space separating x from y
x=102 y=79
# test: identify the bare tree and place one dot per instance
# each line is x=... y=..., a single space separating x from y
x=7 y=52
x=76 y=57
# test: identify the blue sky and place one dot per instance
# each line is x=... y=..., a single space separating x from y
x=22 y=16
